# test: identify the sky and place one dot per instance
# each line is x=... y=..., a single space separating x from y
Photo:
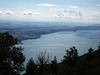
x=51 y=10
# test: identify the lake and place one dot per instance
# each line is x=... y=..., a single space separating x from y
x=56 y=43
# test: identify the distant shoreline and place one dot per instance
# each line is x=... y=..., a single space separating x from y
x=35 y=32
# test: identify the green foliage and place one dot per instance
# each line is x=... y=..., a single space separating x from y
x=31 y=68
x=43 y=61
x=88 y=67
x=87 y=64
x=11 y=57
x=71 y=56
x=64 y=69
x=54 y=66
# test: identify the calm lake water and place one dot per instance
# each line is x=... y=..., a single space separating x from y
x=56 y=43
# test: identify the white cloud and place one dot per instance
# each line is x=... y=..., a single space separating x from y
x=73 y=7
x=36 y=13
x=75 y=13
x=8 y=12
x=98 y=5
x=1 y=12
x=30 y=13
x=19 y=15
x=27 y=13
x=92 y=15
x=69 y=14
x=46 y=4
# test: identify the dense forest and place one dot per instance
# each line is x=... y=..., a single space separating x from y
x=12 y=61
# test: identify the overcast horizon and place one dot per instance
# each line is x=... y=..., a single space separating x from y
x=86 y=11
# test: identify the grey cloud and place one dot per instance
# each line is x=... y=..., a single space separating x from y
x=65 y=11
x=8 y=13
x=30 y=13
x=80 y=13
x=71 y=12
x=36 y=13
x=75 y=13
x=61 y=15
x=68 y=14
x=24 y=13
x=59 y=12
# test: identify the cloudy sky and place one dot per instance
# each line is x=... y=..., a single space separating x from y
x=51 y=10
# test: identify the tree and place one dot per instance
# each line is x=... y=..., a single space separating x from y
x=31 y=68
x=98 y=52
x=42 y=61
x=11 y=57
x=90 y=54
x=54 y=66
x=87 y=67
x=71 y=56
